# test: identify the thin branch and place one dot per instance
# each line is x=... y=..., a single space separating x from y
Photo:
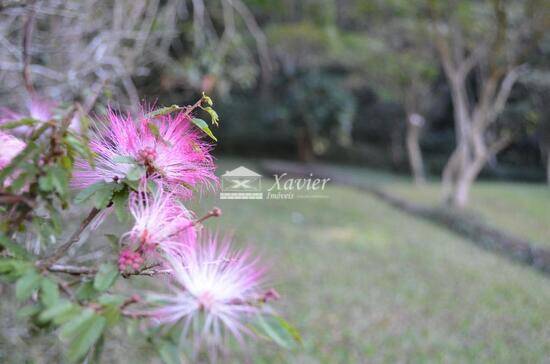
x=472 y=60
x=46 y=263
x=77 y=270
x=215 y=212
x=133 y=299
x=258 y=35
x=499 y=144
x=89 y=104
x=27 y=36
x=135 y=314
x=506 y=88
x=8 y=198
x=72 y=269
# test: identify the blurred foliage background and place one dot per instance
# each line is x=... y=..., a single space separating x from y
x=308 y=79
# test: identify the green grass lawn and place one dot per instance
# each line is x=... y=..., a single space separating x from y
x=519 y=208
x=522 y=209
x=365 y=283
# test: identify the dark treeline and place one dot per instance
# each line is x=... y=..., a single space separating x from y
x=339 y=81
x=452 y=89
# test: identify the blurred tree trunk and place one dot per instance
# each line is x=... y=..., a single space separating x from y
x=304 y=143
x=474 y=148
x=415 y=122
x=475 y=114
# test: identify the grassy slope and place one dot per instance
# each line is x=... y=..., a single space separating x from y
x=519 y=208
x=364 y=282
x=522 y=209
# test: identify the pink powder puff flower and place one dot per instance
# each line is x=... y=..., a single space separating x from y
x=38 y=109
x=162 y=224
x=41 y=109
x=177 y=156
x=10 y=146
x=214 y=290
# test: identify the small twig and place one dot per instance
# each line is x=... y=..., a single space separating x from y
x=77 y=270
x=65 y=288
x=47 y=263
x=145 y=271
x=10 y=199
x=89 y=105
x=134 y=299
x=72 y=269
x=215 y=212
x=27 y=35
x=189 y=109
x=134 y=315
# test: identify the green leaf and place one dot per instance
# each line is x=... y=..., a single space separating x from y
x=72 y=327
x=278 y=330
x=67 y=315
x=15 y=249
x=98 y=350
x=86 y=291
x=102 y=197
x=61 y=308
x=55 y=217
x=44 y=228
x=90 y=333
x=49 y=292
x=134 y=185
x=135 y=173
x=17 y=123
x=207 y=99
x=45 y=183
x=120 y=201
x=19 y=182
x=88 y=192
x=163 y=111
x=213 y=115
x=111 y=299
x=66 y=162
x=105 y=277
x=60 y=179
x=28 y=311
x=289 y=328
x=113 y=239
x=168 y=352
x=201 y=124
x=79 y=146
x=14 y=268
x=27 y=284
x=111 y=314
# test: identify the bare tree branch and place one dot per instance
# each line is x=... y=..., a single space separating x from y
x=259 y=37
x=47 y=262
x=506 y=88
x=27 y=36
